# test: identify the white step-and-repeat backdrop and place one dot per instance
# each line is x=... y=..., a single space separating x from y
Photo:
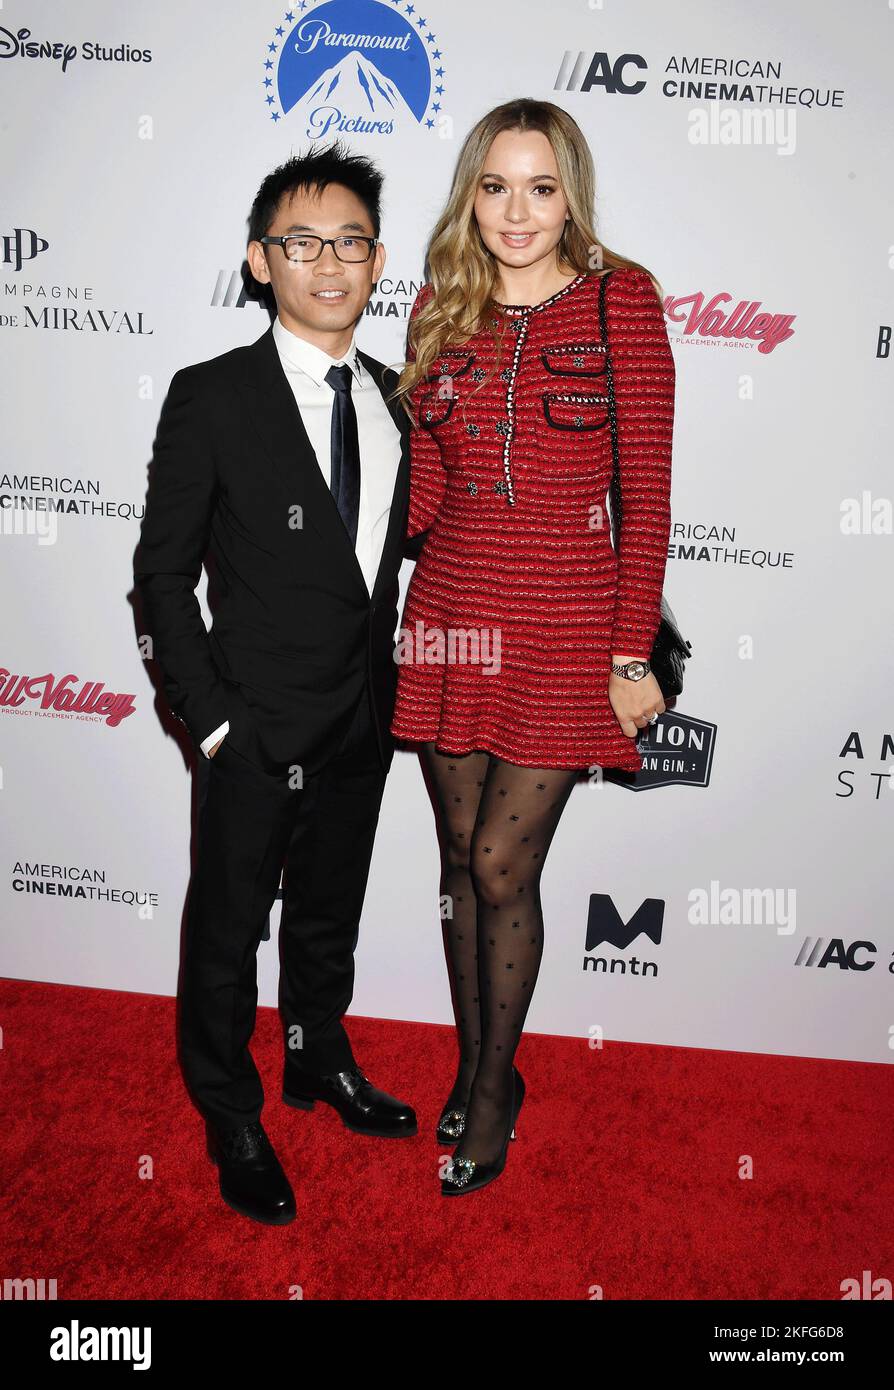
x=738 y=896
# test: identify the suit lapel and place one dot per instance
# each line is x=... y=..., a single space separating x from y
x=276 y=419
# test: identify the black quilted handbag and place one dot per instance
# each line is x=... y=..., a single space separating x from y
x=670 y=649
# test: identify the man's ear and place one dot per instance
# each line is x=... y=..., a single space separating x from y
x=257 y=261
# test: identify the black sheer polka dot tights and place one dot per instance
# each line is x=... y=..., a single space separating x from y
x=495 y=822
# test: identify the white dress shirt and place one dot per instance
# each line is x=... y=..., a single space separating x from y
x=305 y=366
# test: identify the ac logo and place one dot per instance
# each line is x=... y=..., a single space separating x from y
x=577 y=75
x=821 y=951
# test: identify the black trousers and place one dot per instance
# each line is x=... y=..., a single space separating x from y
x=251 y=825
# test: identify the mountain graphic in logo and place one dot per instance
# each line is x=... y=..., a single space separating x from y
x=355 y=84
x=355 y=67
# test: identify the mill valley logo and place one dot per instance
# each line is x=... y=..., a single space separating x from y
x=713 y=319
x=49 y=697
x=355 y=67
x=677 y=750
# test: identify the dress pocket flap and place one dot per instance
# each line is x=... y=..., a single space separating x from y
x=436 y=405
x=451 y=362
x=437 y=394
x=578 y=359
x=569 y=411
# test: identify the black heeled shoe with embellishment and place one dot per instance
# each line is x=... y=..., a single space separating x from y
x=452 y=1121
x=451 y=1124
x=464 y=1174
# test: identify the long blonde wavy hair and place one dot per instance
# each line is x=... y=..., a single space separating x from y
x=463 y=272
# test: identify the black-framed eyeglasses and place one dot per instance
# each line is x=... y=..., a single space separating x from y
x=310 y=248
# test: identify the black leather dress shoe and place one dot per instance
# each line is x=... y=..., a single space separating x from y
x=252 y=1180
x=363 y=1108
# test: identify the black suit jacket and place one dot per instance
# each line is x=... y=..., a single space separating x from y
x=295 y=632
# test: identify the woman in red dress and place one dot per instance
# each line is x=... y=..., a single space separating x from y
x=524 y=636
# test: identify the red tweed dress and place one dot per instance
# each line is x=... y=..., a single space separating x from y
x=518 y=600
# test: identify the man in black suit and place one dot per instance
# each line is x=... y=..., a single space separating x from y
x=285 y=465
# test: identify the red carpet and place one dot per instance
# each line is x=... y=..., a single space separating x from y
x=625 y=1174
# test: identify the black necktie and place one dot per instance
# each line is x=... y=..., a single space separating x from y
x=344 y=483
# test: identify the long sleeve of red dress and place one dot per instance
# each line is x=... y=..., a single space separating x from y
x=644 y=379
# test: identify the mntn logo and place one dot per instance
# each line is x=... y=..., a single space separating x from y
x=356 y=67
x=605 y=924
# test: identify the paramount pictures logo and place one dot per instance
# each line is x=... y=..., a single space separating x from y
x=356 y=67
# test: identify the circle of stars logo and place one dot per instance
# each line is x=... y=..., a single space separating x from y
x=426 y=34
